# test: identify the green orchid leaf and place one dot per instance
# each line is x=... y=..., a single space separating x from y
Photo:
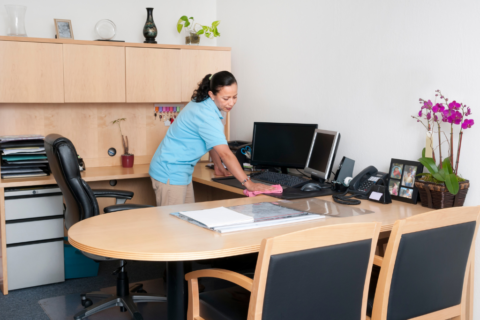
x=439 y=177
x=215 y=23
x=199 y=32
x=191 y=18
x=208 y=34
x=447 y=165
x=187 y=23
x=423 y=153
x=429 y=164
x=451 y=182
x=205 y=28
x=179 y=27
x=184 y=18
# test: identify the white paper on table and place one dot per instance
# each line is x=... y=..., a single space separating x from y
x=375 y=195
x=217 y=217
x=22 y=150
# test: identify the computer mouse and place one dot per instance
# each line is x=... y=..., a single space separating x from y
x=313 y=187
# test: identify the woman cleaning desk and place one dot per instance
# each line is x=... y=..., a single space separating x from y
x=196 y=130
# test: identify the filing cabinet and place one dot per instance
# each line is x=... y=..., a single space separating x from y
x=34 y=234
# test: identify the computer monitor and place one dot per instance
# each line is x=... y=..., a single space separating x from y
x=322 y=154
x=284 y=145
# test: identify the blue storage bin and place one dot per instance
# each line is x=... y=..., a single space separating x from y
x=77 y=265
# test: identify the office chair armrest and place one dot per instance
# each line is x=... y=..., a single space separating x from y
x=109 y=193
x=377 y=260
x=124 y=207
x=237 y=278
x=193 y=295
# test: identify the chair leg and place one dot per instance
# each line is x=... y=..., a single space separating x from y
x=97 y=307
x=129 y=304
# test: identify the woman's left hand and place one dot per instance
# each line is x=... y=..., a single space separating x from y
x=222 y=172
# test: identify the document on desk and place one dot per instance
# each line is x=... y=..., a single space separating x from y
x=259 y=215
x=217 y=217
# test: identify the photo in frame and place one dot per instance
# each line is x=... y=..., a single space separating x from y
x=402 y=176
x=63 y=29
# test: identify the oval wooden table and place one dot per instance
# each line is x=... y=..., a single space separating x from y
x=152 y=234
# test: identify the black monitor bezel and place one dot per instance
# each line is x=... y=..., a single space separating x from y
x=277 y=164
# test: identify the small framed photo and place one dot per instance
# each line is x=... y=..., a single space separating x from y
x=402 y=180
x=64 y=29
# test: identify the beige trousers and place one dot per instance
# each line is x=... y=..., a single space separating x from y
x=169 y=194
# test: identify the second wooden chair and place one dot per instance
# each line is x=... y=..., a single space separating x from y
x=319 y=273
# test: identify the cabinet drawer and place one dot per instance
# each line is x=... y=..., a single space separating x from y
x=33 y=207
x=35 y=264
x=19 y=232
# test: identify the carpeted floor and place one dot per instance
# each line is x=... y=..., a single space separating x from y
x=23 y=304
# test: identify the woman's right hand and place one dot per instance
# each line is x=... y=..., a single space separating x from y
x=252 y=186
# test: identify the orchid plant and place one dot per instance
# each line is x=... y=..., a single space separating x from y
x=435 y=114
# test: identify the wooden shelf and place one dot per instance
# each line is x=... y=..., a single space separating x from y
x=113 y=44
x=91 y=174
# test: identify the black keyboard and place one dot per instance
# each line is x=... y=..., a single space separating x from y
x=285 y=180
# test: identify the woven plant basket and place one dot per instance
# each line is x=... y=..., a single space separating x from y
x=436 y=196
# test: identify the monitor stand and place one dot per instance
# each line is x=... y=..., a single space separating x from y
x=318 y=180
x=284 y=170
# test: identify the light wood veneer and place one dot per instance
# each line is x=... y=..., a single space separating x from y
x=31 y=72
x=153 y=75
x=94 y=73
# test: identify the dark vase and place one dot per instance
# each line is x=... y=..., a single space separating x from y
x=150 y=29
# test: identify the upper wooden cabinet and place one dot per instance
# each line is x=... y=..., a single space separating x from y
x=153 y=75
x=31 y=72
x=198 y=63
x=94 y=73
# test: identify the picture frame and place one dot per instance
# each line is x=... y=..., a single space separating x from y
x=63 y=29
x=401 y=180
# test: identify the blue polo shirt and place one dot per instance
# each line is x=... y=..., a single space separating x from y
x=197 y=129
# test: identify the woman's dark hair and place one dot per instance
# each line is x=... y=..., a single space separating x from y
x=214 y=84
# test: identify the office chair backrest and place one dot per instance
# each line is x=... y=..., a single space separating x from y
x=63 y=160
x=319 y=273
x=424 y=268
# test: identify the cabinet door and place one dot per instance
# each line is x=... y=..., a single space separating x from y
x=94 y=73
x=198 y=63
x=31 y=72
x=153 y=75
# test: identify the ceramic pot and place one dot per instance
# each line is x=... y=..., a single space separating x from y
x=127 y=160
x=150 y=29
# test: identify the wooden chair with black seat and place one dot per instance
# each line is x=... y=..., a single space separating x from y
x=424 y=273
x=318 y=273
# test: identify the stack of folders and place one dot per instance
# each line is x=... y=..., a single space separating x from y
x=250 y=216
x=23 y=156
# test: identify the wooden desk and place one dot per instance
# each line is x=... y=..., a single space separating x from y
x=154 y=235
x=135 y=179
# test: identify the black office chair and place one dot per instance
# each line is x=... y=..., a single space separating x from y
x=81 y=203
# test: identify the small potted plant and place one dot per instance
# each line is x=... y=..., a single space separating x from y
x=127 y=158
x=193 y=31
x=442 y=186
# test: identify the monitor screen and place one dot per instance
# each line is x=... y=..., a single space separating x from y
x=281 y=144
x=322 y=154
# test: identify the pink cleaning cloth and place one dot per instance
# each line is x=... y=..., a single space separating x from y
x=278 y=189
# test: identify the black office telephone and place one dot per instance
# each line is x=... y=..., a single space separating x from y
x=365 y=180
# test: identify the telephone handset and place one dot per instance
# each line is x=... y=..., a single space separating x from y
x=366 y=179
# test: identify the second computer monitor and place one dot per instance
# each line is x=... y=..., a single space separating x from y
x=322 y=154
x=284 y=145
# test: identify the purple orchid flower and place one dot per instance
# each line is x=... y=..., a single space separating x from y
x=427 y=105
x=435 y=118
x=429 y=116
x=458 y=117
x=469 y=112
x=438 y=108
x=467 y=123
x=454 y=105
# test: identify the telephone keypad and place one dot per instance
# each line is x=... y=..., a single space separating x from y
x=366 y=185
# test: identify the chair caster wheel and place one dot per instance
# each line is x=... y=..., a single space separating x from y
x=86 y=302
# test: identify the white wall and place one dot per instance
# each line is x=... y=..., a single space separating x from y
x=358 y=67
x=129 y=17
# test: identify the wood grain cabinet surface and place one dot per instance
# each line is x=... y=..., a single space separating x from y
x=153 y=75
x=31 y=72
x=94 y=73
x=198 y=63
